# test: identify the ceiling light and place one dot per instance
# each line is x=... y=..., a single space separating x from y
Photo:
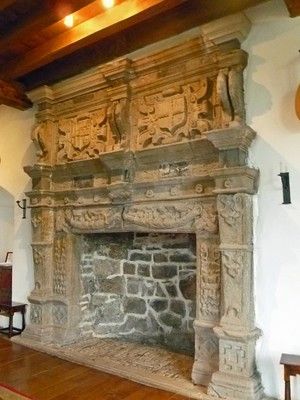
x=69 y=21
x=108 y=3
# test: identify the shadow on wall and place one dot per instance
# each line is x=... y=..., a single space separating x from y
x=6 y=222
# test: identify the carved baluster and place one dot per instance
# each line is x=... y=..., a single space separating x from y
x=237 y=376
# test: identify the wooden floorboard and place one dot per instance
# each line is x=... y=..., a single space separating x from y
x=49 y=378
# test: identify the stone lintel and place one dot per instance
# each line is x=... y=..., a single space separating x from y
x=233 y=27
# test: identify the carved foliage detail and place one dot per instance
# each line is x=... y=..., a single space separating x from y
x=230 y=208
x=233 y=263
x=59 y=314
x=93 y=219
x=162 y=217
x=175 y=114
x=36 y=313
x=208 y=221
x=210 y=280
x=59 y=273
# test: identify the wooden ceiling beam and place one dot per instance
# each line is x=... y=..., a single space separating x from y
x=122 y=16
x=7 y=3
x=293 y=7
x=46 y=14
x=12 y=95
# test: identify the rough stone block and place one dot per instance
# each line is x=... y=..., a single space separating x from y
x=148 y=288
x=159 y=305
x=109 y=311
x=170 y=319
x=187 y=284
x=140 y=257
x=143 y=270
x=134 y=305
x=107 y=267
x=171 y=289
x=114 y=285
x=164 y=271
x=182 y=258
x=129 y=268
x=178 y=307
x=160 y=258
x=133 y=285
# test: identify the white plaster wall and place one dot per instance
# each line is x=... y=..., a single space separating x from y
x=6 y=223
x=16 y=151
x=272 y=77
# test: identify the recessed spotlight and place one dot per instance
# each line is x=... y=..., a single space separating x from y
x=69 y=21
x=108 y=3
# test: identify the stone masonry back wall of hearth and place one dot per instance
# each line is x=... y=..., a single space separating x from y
x=140 y=287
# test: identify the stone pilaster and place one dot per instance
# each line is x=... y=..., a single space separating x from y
x=237 y=377
x=208 y=308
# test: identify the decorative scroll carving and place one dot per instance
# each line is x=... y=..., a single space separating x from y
x=39 y=259
x=118 y=116
x=175 y=114
x=41 y=225
x=168 y=170
x=164 y=216
x=40 y=136
x=93 y=219
x=208 y=221
x=59 y=273
x=210 y=279
x=231 y=94
x=88 y=135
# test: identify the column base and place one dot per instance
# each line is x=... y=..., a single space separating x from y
x=234 y=387
x=200 y=376
x=38 y=334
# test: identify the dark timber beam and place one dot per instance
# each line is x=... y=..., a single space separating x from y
x=122 y=16
x=12 y=95
x=293 y=7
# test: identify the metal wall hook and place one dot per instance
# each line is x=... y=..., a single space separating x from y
x=23 y=207
x=285 y=180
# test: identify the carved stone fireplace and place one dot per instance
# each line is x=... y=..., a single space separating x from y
x=154 y=145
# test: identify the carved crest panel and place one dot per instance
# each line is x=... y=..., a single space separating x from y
x=87 y=135
x=178 y=113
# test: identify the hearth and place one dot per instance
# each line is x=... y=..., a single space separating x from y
x=140 y=287
x=138 y=151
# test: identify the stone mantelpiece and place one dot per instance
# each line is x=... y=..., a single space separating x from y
x=157 y=144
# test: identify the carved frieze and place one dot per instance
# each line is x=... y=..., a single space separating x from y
x=177 y=113
x=162 y=216
x=93 y=219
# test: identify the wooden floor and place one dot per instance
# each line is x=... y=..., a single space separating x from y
x=44 y=377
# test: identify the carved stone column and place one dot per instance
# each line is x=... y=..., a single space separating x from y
x=237 y=377
x=65 y=309
x=208 y=308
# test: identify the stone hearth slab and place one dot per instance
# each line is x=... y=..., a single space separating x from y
x=151 y=366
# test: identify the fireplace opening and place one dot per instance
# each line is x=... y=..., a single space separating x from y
x=139 y=287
